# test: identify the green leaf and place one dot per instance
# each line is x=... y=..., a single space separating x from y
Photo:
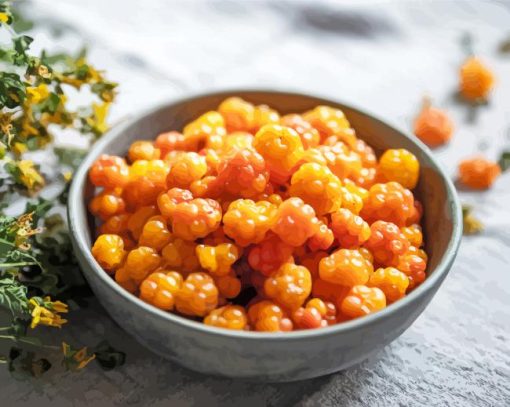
x=12 y=90
x=504 y=160
x=70 y=157
x=13 y=297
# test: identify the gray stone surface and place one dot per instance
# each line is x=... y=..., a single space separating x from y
x=380 y=55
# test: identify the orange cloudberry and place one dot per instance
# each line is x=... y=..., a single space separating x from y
x=207 y=130
x=433 y=126
x=414 y=234
x=143 y=150
x=476 y=80
x=217 y=259
x=159 y=289
x=263 y=115
x=392 y=282
x=180 y=255
x=140 y=262
x=390 y=202
x=362 y=300
x=107 y=203
x=386 y=243
x=345 y=267
x=401 y=166
x=413 y=265
x=239 y=114
x=138 y=219
x=170 y=141
x=197 y=296
x=109 y=172
x=108 y=250
x=185 y=169
x=155 y=233
x=478 y=172
x=310 y=137
x=289 y=286
x=267 y=316
x=229 y=317
x=327 y=120
x=349 y=229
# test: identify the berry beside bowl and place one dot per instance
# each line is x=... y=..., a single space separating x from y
x=277 y=247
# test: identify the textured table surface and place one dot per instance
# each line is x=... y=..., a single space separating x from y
x=383 y=56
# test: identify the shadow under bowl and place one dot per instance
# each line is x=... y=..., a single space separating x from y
x=256 y=355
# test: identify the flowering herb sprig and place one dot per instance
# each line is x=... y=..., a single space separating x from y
x=38 y=273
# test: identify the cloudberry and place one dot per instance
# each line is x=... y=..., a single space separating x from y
x=155 y=233
x=401 y=166
x=267 y=256
x=476 y=80
x=217 y=259
x=313 y=155
x=168 y=201
x=123 y=279
x=109 y=172
x=106 y=204
x=170 y=141
x=413 y=265
x=390 y=202
x=197 y=296
x=433 y=126
x=416 y=213
x=386 y=243
x=196 y=218
x=366 y=153
x=349 y=229
x=289 y=286
x=342 y=161
x=243 y=173
x=147 y=181
x=180 y=255
x=266 y=315
x=281 y=148
x=316 y=314
x=345 y=267
x=322 y=239
x=143 y=150
x=247 y=222
x=310 y=136
x=239 y=115
x=362 y=300
x=159 y=289
x=317 y=186
x=263 y=115
x=392 y=282
x=238 y=140
x=206 y=131
x=138 y=219
x=140 y=262
x=327 y=120
x=116 y=225
x=295 y=222
x=187 y=168
x=229 y=317
x=478 y=173
x=352 y=199
x=414 y=234
x=108 y=250
x=229 y=285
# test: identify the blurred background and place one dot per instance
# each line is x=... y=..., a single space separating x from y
x=383 y=56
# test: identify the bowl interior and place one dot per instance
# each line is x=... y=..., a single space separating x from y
x=433 y=191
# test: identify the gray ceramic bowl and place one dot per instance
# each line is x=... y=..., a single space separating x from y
x=255 y=355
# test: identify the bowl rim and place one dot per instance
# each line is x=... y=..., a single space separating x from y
x=77 y=230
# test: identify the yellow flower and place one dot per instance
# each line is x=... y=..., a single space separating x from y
x=19 y=148
x=23 y=230
x=98 y=119
x=29 y=176
x=4 y=17
x=76 y=359
x=38 y=93
x=46 y=312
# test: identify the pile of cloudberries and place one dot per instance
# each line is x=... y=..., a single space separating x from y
x=251 y=220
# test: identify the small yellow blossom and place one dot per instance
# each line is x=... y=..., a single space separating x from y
x=97 y=120
x=76 y=359
x=23 y=230
x=29 y=176
x=19 y=148
x=38 y=93
x=46 y=312
x=4 y=18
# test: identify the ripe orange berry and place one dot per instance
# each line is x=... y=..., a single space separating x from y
x=310 y=137
x=228 y=317
x=143 y=150
x=207 y=131
x=239 y=140
x=327 y=120
x=180 y=255
x=386 y=243
x=267 y=256
x=115 y=225
x=413 y=265
x=345 y=267
x=108 y=250
x=138 y=219
x=322 y=239
x=247 y=222
x=109 y=172
x=185 y=169
x=159 y=289
x=123 y=279
x=155 y=233
x=342 y=161
x=476 y=80
x=229 y=285
x=315 y=314
x=263 y=115
x=350 y=230
x=266 y=315
x=169 y=141
x=401 y=166
x=218 y=259
x=107 y=204
x=433 y=126
x=414 y=234
x=362 y=300
x=289 y=286
x=295 y=222
x=317 y=186
x=239 y=115
x=197 y=296
x=389 y=202
x=391 y=281
x=140 y=262
x=281 y=148
x=478 y=173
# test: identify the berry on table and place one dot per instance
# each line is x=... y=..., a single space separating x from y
x=476 y=80
x=478 y=173
x=433 y=126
